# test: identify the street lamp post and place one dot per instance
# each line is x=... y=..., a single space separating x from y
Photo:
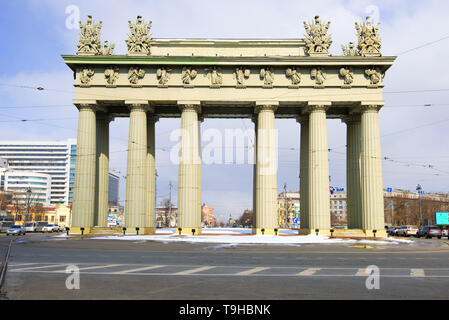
x=28 y=203
x=419 y=188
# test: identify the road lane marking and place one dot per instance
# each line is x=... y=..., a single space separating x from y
x=308 y=272
x=42 y=267
x=417 y=273
x=22 y=264
x=190 y=271
x=361 y=273
x=251 y=271
x=138 y=269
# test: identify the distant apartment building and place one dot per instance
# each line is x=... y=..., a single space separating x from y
x=53 y=158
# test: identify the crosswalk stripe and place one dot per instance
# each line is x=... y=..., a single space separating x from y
x=308 y=272
x=419 y=273
x=361 y=273
x=138 y=269
x=194 y=270
x=41 y=267
x=251 y=271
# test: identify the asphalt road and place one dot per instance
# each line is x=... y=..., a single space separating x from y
x=111 y=269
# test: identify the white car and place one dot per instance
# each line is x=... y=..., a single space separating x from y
x=50 y=228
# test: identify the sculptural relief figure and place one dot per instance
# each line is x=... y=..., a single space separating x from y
x=215 y=75
x=163 y=75
x=347 y=75
x=139 y=39
x=350 y=50
x=319 y=75
x=240 y=75
x=293 y=75
x=317 y=40
x=89 y=41
x=135 y=74
x=111 y=75
x=188 y=74
x=86 y=76
x=369 y=40
x=374 y=75
x=267 y=75
x=107 y=50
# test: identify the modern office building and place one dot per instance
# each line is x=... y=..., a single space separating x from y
x=114 y=182
x=53 y=158
x=25 y=185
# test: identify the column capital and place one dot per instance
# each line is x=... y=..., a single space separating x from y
x=190 y=107
x=139 y=104
x=152 y=117
x=88 y=104
x=351 y=119
x=105 y=116
x=302 y=119
x=265 y=107
x=370 y=108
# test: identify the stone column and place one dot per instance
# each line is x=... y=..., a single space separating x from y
x=84 y=189
x=102 y=171
x=189 y=180
x=151 y=174
x=354 y=209
x=304 y=172
x=254 y=119
x=136 y=203
x=371 y=172
x=266 y=218
x=318 y=203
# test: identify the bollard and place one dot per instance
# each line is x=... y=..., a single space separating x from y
x=275 y=232
x=374 y=232
x=317 y=231
x=179 y=230
x=82 y=231
x=193 y=232
x=137 y=230
x=332 y=233
x=263 y=231
x=124 y=230
x=67 y=229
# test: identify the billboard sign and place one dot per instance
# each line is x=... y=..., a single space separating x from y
x=442 y=218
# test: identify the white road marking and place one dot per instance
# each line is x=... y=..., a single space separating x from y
x=417 y=273
x=308 y=272
x=138 y=269
x=42 y=267
x=361 y=273
x=251 y=271
x=22 y=264
x=190 y=271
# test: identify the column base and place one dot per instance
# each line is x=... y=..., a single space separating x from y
x=77 y=230
x=266 y=231
x=189 y=231
x=142 y=231
x=321 y=232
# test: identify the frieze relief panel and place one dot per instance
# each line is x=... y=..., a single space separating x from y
x=290 y=77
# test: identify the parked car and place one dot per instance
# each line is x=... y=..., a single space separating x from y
x=445 y=233
x=16 y=230
x=50 y=228
x=5 y=225
x=429 y=232
x=407 y=231
x=393 y=231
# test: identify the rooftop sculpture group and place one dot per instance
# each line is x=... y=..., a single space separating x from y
x=317 y=39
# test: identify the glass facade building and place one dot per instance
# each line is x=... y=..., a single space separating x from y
x=54 y=158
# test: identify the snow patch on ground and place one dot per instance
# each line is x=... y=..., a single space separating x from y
x=229 y=237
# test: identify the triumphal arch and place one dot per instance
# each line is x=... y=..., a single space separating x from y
x=241 y=78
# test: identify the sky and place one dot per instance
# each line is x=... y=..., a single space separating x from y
x=414 y=136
